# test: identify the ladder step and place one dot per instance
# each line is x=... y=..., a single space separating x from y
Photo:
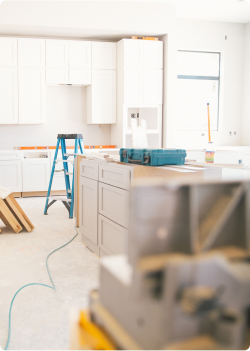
x=60 y=198
x=61 y=160
x=69 y=191
x=68 y=155
x=69 y=173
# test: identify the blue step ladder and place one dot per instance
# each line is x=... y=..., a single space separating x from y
x=69 y=200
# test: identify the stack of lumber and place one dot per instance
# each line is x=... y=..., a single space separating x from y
x=12 y=214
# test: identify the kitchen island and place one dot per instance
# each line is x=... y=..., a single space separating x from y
x=102 y=195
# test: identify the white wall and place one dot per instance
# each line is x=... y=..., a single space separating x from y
x=66 y=113
x=246 y=95
x=210 y=36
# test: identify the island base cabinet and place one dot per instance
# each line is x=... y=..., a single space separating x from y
x=114 y=204
x=112 y=238
x=88 y=210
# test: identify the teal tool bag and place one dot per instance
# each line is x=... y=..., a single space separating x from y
x=153 y=157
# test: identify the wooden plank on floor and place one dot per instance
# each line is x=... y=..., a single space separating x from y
x=9 y=217
x=16 y=204
x=17 y=213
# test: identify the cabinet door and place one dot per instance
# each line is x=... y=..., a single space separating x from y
x=116 y=176
x=103 y=97
x=133 y=86
x=32 y=94
x=153 y=54
x=31 y=52
x=112 y=238
x=36 y=174
x=133 y=53
x=8 y=96
x=55 y=76
x=80 y=76
x=11 y=175
x=8 y=52
x=89 y=169
x=56 y=53
x=103 y=55
x=152 y=86
x=114 y=204
x=88 y=208
x=79 y=54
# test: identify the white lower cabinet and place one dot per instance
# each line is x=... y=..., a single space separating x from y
x=36 y=174
x=11 y=175
x=88 y=208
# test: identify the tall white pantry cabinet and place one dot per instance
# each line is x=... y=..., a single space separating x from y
x=139 y=90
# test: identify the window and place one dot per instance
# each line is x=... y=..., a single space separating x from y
x=198 y=84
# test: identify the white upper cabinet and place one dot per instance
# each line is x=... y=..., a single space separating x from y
x=68 y=62
x=79 y=76
x=133 y=53
x=31 y=52
x=79 y=54
x=8 y=52
x=56 y=53
x=152 y=83
x=8 y=95
x=103 y=55
x=133 y=86
x=140 y=54
x=101 y=97
x=153 y=54
x=32 y=94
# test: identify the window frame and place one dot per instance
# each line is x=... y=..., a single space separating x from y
x=217 y=78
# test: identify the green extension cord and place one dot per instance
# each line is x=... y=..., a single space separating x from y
x=25 y=286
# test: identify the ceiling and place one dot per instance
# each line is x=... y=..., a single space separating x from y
x=214 y=10
x=236 y=11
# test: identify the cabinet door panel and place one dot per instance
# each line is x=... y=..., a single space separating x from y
x=79 y=54
x=80 y=76
x=8 y=96
x=8 y=52
x=11 y=175
x=31 y=52
x=36 y=174
x=115 y=176
x=112 y=238
x=55 y=76
x=103 y=55
x=32 y=95
x=103 y=97
x=56 y=53
x=88 y=208
x=133 y=86
x=133 y=53
x=153 y=54
x=114 y=204
x=153 y=86
x=89 y=169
